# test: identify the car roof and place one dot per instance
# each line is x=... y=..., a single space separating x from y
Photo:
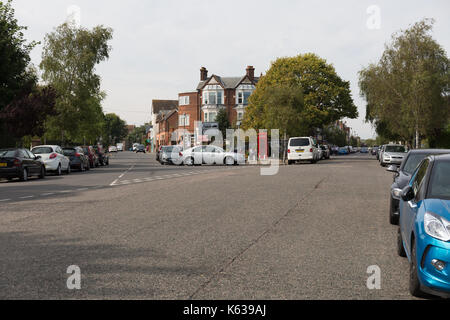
x=430 y=151
x=441 y=157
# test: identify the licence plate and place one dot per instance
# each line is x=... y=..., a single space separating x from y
x=2 y=164
x=299 y=150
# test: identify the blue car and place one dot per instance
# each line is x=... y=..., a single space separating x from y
x=343 y=150
x=424 y=231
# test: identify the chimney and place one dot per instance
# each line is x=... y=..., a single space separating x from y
x=203 y=74
x=251 y=72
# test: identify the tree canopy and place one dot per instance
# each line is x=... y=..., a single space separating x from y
x=407 y=91
x=69 y=59
x=299 y=94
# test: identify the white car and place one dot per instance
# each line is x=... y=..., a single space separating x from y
x=302 y=149
x=210 y=155
x=112 y=149
x=53 y=158
x=119 y=146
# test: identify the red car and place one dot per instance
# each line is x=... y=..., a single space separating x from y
x=93 y=158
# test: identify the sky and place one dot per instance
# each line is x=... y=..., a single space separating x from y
x=159 y=46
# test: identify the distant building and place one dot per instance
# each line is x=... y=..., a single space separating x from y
x=159 y=108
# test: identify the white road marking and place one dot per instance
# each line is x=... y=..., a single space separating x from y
x=47 y=194
x=27 y=197
x=4 y=200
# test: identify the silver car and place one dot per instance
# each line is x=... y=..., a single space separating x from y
x=392 y=154
x=210 y=155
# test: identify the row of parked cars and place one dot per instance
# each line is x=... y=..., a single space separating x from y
x=420 y=205
x=22 y=163
x=299 y=149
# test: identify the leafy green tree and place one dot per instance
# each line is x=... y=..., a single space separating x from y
x=407 y=90
x=222 y=120
x=137 y=135
x=325 y=97
x=69 y=59
x=16 y=75
x=115 y=129
x=336 y=136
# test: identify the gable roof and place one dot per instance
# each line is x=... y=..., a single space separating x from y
x=163 y=105
x=226 y=82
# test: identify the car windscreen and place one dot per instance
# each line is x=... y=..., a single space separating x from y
x=170 y=149
x=69 y=151
x=439 y=187
x=300 y=142
x=394 y=149
x=413 y=161
x=8 y=153
x=42 y=150
x=86 y=150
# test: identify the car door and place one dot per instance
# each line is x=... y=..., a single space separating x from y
x=65 y=162
x=410 y=208
x=34 y=163
x=26 y=161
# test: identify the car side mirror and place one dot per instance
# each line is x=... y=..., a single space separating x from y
x=408 y=193
x=37 y=157
x=392 y=168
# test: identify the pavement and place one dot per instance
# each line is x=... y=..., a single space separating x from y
x=140 y=230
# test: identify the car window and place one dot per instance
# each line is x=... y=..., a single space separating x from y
x=420 y=175
x=42 y=150
x=30 y=154
x=69 y=152
x=23 y=154
x=299 y=142
x=198 y=149
x=439 y=186
x=8 y=153
x=395 y=149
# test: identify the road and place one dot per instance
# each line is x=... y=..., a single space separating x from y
x=139 y=230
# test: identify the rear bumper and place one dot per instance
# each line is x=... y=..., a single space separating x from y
x=298 y=156
x=9 y=173
x=51 y=165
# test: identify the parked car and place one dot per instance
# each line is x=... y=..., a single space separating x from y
x=210 y=155
x=103 y=157
x=392 y=154
x=158 y=152
x=301 y=149
x=170 y=155
x=424 y=230
x=20 y=163
x=140 y=148
x=380 y=152
x=374 y=150
x=326 y=152
x=343 y=151
x=119 y=146
x=78 y=160
x=112 y=149
x=135 y=145
x=364 y=150
x=53 y=158
x=403 y=175
x=93 y=158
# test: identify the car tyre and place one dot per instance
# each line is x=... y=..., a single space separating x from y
x=414 y=283
x=42 y=174
x=58 y=171
x=400 y=248
x=189 y=161
x=229 y=161
x=393 y=218
x=68 y=169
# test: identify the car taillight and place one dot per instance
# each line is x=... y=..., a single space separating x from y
x=16 y=163
x=53 y=156
x=289 y=150
x=180 y=154
x=311 y=150
x=77 y=155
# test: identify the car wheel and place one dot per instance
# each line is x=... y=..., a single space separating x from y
x=24 y=175
x=414 y=283
x=393 y=218
x=229 y=161
x=68 y=169
x=58 y=171
x=189 y=161
x=400 y=248
x=88 y=167
x=42 y=174
x=290 y=162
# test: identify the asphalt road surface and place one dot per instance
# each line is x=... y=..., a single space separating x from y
x=139 y=230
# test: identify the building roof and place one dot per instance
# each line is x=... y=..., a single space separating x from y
x=161 y=105
x=227 y=82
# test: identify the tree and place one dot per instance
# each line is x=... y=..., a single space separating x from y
x=222 y=120
x=115 y=129
x=16 y=75
x=325 y=97
x=26 y=116
x=138 y=135
x=69 y=59
x=407 y=91
x=336 y=136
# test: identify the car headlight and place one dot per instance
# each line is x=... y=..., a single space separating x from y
x=396 y=193
x=436 y=226
x=387 y=156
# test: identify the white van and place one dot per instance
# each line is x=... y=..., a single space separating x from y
x=302 y=149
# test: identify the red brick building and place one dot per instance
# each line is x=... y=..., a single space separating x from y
x=168 y=123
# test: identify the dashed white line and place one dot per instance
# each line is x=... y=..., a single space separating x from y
x=27 y=197
x=47 y=194
x=4 y=200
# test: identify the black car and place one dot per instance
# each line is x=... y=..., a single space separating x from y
x=403 y=175
x=20 y=163
x=78 y=160
x=140 y=148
